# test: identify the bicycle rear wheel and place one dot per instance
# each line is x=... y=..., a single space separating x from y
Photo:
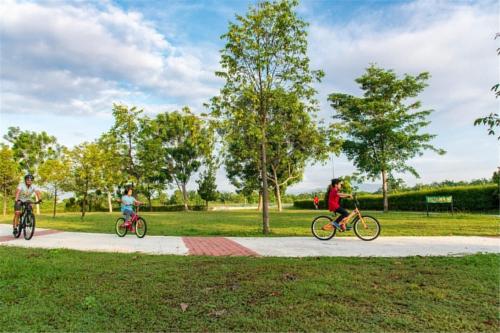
x=120 y=229
x=368 y=231
x=29 y=226
x=322 y=228
x=141 y=227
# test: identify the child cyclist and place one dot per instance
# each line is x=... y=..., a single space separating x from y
x=128 y=201
x=334 y=203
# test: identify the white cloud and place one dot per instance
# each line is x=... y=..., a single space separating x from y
x=451 y=40
x=77 y=58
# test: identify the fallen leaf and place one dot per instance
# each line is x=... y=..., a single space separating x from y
x=184 y=306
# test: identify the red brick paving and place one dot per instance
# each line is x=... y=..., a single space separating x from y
x=37 y=233
x=215 y=246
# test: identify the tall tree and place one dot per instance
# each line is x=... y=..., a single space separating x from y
x=55 y=175
x=126 y=131
x=382 y=128
x=9 y=174
x=266 y=49
x=86 y=169
x=113 y=164
x=183 y=140
x=207 y=186
x=155 y=175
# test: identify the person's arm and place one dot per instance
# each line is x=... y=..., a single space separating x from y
x=38 y=195
x=345 y=195
x=18 y=191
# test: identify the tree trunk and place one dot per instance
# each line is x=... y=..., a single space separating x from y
x=277 y=193
x=84 y=202
x=149 y=200
x=110 y=204
x=5 y=202
x=206 y=204
x=185 y=197
x=384 y=191
x=55 y=202
x=38 y=209
x=278 y=198
x=265 y=189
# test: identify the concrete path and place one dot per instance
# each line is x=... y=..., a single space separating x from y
x=256 y=246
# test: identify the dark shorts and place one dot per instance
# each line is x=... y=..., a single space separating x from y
x=18 y=206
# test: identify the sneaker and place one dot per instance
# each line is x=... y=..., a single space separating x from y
x=343 y=227
x=14 y=231
x=127 y=224
x=336 y=225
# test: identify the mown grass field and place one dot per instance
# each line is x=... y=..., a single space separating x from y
x=62 y=290
x=287 y=223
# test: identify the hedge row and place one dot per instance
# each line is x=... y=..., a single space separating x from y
x=465 y=198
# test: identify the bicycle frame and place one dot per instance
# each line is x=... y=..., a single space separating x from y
x=352 y=214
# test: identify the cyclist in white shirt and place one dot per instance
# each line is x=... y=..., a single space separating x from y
x=24 y=193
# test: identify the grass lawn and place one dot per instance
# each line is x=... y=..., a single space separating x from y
x=288 y=223
x=62 y=290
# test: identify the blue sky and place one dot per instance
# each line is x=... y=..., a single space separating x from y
x=63 y=64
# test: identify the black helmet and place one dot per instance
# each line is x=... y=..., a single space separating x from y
x=29 y=176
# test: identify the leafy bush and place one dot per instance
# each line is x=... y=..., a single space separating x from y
x=465 y=198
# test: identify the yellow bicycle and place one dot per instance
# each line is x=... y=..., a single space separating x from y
x=365 y=227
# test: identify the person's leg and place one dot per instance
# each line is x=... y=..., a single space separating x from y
x=343 y=214
x=17 y=213
x=128 y=214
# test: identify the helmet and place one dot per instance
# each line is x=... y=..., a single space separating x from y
x=28 y=176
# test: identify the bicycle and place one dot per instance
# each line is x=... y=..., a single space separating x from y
x=366 y=227
x=137 y=225
x=27 y=220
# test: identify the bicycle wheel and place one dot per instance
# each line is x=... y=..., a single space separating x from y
x=141 y=227
x=29 y=226
x=120 y=229
x=322 y=228
x=369 y=231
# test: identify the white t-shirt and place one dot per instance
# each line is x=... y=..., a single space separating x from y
x=26 y=192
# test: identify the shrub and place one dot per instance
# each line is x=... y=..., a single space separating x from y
x=465 y=198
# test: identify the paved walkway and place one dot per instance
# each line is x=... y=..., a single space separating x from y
x=256 y=246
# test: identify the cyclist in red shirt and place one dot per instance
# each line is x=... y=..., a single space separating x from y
x=334 y=203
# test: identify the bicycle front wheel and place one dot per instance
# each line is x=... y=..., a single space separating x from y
x=369 y=230
x=140 y=227
x=120 y=229
x=29 y=226
x=322 y=228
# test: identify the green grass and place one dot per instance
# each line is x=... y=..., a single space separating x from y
x=62 y=290
x=288 y=223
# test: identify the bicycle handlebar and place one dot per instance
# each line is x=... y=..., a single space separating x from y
x=27 y=202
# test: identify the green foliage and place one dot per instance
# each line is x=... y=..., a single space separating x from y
x=55 y=175
x=182 y=140
x=382 y=129
x=9 y=174
x=207 y=186
x=493 y=119
x=124 y=138
x=31 y=148
x=465 y=198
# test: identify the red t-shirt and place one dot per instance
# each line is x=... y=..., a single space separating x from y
x=316 y=200
x=333 y=200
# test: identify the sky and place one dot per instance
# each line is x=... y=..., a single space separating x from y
x=64 y=63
